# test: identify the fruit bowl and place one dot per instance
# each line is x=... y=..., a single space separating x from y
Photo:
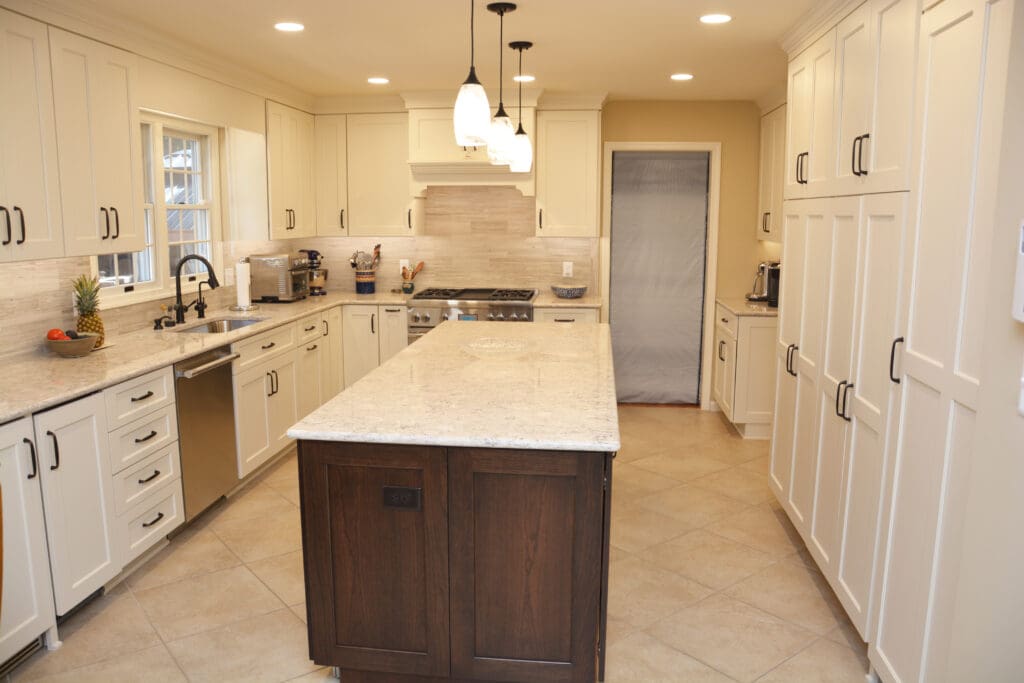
x=73 y=348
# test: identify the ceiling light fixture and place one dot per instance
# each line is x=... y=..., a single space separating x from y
x=521 y=157
x=472 y=116
x=715 y=19
x=681 y=77
x=289 y=26
x=377 y=80
x=502 y=135
x=524 y=78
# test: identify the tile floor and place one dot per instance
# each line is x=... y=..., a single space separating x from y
x=709 y=582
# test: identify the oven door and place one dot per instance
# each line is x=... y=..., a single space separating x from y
x=417 y=332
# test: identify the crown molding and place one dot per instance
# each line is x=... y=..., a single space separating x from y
x=552 y=101
x=823 y=16
x=72 y=16
x=359 y=104
x=445 y=99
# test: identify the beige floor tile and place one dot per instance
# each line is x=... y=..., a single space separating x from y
x=318 y=676
x=761 y=465
x=299 y=611
x=615 y=553
x=641 y=594
x=822 y=662
x=630 y=482
x=283 y=575
x=193 y=552
x=255 y=538
x=794 y=592
x=618 y=629
x=763 y=528
x=733 y=449
x=707 y=558
x=635 y=528
x=285 y=469
x=681 y=467
x=695 y=506
x=110 y=626
x=289 y=490
x=271 y=648
x=152 y=665
x=640 y=657
x=258 y=500
x=744 y=485
x=205 y=602
x=733 y=637
x=846 y=634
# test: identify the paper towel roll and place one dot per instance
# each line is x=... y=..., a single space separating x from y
x=242 y=283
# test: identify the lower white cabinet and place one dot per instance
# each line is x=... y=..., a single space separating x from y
x=565 y=315
x=333 y=377
x=744 y=373
x=265 y=408
x=394 y=331
x=309 y=373
x=28 y=609
x=372 y=334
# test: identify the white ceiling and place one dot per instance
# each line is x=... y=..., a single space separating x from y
x=627 y=48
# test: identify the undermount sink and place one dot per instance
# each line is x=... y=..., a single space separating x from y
x=220 y=326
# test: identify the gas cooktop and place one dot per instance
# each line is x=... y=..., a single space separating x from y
x=477 y=294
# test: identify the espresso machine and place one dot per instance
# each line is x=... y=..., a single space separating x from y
x=317 y=275
x=761 y=290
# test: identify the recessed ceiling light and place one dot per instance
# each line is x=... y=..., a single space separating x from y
x=715 y=19
x=681 y=77
x=377 y=80
x=524 y=78
x=289 y=26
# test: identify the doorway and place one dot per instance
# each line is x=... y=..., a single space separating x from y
x=661 y=226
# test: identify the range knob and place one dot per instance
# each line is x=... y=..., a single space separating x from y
x=500 y=316
x=490 y=316
x=514 y=316
x=415 y=317
x=426 y=317
x=444 y=316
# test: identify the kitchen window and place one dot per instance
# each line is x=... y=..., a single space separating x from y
x=180 y=192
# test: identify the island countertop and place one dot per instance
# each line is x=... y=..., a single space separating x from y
x=544 y=386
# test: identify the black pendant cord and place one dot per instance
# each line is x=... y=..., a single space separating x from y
x=520 y=92
x=501 y=59
x=472 y=50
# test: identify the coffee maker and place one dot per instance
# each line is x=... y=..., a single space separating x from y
x=761 y=290
x=317 y=275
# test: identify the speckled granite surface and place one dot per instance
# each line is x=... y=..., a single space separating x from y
x=547 y=299
x=489 y=384
x=740 y=306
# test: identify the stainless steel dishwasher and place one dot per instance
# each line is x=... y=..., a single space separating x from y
x=206 y=428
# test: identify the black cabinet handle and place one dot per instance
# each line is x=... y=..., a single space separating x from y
x=156 y=473
x=106 y=219
x=793 y=348
x=327 y=328
x=147 y=437
x=311 y=348
x=846 y=391
x=373 y=320
x=341 y=218
x=408 y=218
x=21 y=218
x=860 y=154
x=853 y=156
x=892 y=360
x=56 y=451
x=720 y=356
x=309 y=329
x=291 y=219
x=268 y=346
x=540 y=218
x=7 y=219
x=565 y=320
x=725 y=320
x=157 y=519
x=117 y=222
x=277 y=381
x=766 y=222
x=32 y=455
x=839 y=390
x=271 y=384
x=136 y=399
x=392 y=310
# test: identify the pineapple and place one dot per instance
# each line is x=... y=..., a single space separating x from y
x=87 y=293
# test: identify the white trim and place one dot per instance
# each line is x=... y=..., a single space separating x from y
x=711 y=253
x=815 y=23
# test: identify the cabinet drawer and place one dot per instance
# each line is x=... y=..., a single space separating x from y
x=144 y=525
x=131 y=400
x=253 y=351
x=138 y=483
x=566 y=315
x=135 y=441
x=726 y=320
x=309 y=328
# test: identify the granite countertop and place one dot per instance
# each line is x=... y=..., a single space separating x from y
x=41 y=379
x=547 y=299
x=740 y=306
x=486 y=384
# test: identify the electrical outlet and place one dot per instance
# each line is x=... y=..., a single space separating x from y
x=402 y=263
x=566 y=268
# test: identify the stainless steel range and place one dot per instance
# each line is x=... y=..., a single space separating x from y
x=433 y=306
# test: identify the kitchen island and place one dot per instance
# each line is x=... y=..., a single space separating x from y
x=455 y=508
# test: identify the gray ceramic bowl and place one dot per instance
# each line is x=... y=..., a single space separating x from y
x=563 y=292
x=73 y=348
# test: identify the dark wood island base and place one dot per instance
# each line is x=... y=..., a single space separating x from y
x=428 y=563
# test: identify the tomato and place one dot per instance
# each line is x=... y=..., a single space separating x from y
x=56 y=334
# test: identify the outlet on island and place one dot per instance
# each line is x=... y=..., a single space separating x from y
x=566 y=268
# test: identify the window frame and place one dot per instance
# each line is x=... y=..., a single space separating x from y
x=153 y=203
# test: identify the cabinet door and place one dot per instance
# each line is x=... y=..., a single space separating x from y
x=568 y=173
x=755 y=370
x=29 y=186
x=819 y=172
x=331 y=175
x=283 y=403
x=775 y=217
x=290 y=170
x=394 y=330
x=524 y=602
x=378 y=179
x=333 y=378
x=27 y=593
x=100 y=146
x=855 y=79
x=360 y=327
x=305 y=218
x=252 y=390
x=430 y=139
x=718 y=377
x=78 y=498
x=728 y=351
x=309 y=372
x=381 y=568
x=798 y=104
x=766 y=177
x=780 y=475
x=278 y=172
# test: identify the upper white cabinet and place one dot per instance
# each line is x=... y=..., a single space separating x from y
x=331 y=144
x=99 y=139
x=568 y=173
x=809 y=142
x=290 y=170
x=379 y=199
x=431 y=140
x=772 y=172
x=30 y=215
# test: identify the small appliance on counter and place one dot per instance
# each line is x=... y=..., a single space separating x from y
x=366 y=270
x=760 y=287
x=279 y=278
x=774 y=278
x=317 y=275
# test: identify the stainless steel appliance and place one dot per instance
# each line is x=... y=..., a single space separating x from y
x=317 y=274
x=433 y=306
x=760 y=288
x=774 y=278
x=206 y=428
x=279 y=277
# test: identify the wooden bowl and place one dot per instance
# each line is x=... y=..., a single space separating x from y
x=73 y=348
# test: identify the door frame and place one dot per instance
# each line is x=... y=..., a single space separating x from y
x=714 y=149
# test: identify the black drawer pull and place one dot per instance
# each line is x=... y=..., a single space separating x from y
x=309 y=329
x=392 y=310
x=839 y=390
x=56 y=451
x=147 y=437
x=892 y=360
x=106 y=219
x=136 y=399
x=725 y=320
x=408 y=218
x=311 y=348
x=7 y=219
x=21 y=217
x=565 y=320
x=117 y=222
x=269 y=346
x=846 y=391
x=720 y=356
x=32 y=454
x=156 y=473
x=341 y=219
x=157 y=519
x=540 y=218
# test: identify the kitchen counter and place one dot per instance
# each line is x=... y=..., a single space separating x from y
x=40 y=379
x=740 y=306
x=547 y=299
x=484 y=384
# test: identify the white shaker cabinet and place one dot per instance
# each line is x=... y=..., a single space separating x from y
x=379 y=191
x=309 y=377
x=372 y=334
x=772 y=172
x=394 y=330
x=567 y=167
x=28 y=609
x=809 y=139
x=333 y=379
x=30 y=212
x=290 y=172
x=98 y=135
x=331 y=144
x=265 y=393
x=744 y=374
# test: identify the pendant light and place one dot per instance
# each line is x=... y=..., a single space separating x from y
x=521 y=156
x=502 y=135
x=472 y=109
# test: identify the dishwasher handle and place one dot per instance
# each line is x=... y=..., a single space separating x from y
x=190 y=373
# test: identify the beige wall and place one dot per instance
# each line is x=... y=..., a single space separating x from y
x=736 y=125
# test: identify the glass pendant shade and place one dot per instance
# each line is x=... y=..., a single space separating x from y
x=500 y=139
x=521 y=159
x=472 y=114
